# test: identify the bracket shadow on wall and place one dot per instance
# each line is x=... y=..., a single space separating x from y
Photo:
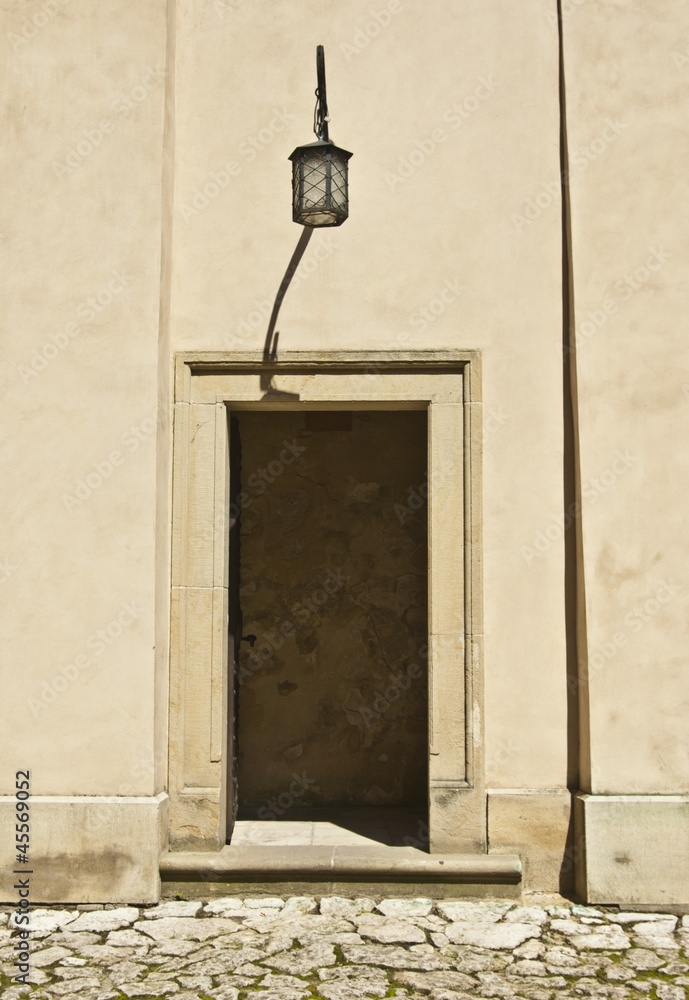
x=210 y=390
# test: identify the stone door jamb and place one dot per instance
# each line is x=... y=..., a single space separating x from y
x=207 y=386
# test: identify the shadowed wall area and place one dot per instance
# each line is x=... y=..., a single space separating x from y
x=333 y=558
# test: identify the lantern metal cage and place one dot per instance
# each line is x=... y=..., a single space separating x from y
x=320 y=191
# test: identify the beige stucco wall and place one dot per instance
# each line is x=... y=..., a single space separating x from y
x=433 y=107
x=627 y=72
x=463 y=89
x=82 y=113
x=150 y=214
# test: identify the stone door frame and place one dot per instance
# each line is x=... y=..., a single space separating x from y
x=207 y=386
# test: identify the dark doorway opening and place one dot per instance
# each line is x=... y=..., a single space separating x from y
x=329 y=554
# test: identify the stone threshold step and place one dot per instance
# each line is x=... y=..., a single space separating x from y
x=267 y=863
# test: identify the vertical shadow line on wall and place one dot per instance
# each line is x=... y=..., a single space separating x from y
x=165 y=379
x=578 y=767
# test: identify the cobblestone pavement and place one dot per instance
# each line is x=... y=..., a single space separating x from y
x=340 y=949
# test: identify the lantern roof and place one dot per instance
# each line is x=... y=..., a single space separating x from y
x=320 y=144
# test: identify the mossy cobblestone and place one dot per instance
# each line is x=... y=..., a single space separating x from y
x=336 y=949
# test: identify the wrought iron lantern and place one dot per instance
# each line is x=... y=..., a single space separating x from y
x=320 y=195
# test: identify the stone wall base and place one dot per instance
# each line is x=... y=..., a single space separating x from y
x=632 y=848
x=536 y=825
x=625 y=849
x=87 y=848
